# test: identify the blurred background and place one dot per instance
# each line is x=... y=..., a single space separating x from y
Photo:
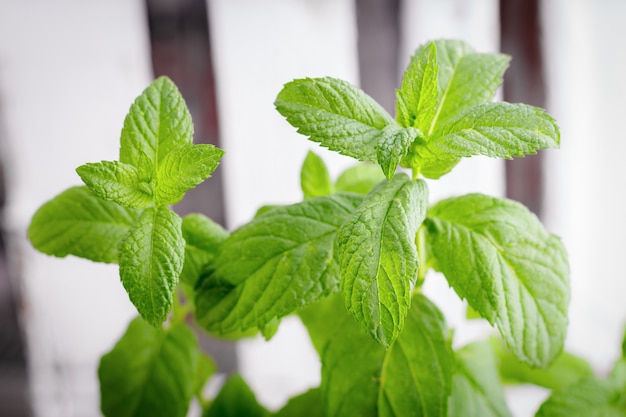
x=69 y=70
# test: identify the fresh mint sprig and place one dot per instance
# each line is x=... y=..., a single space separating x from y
x=124 y=216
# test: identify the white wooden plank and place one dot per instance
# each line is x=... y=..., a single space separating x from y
x=587 y=176
x=257 y=47
x=69 y=71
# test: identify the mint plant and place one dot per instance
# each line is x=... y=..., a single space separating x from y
x=350 y=259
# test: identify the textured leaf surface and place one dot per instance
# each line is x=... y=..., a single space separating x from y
x=334 y=113
x=417 y=378
x=202 y=238
x=497 y=130
x=151 y=259
x=235 y=399
x=459 y=78
x=149 y=372
x=412 y=378
x=417 y=99
x=392 y=147
x=497 y=255
x=477 y=390
x=76 y=222
x=378 y=258
x=359 y=179
x=117 y=182
x=466 y=78
x=277 y=263
x=184 y=168
x=314 y=178
x=157 y=123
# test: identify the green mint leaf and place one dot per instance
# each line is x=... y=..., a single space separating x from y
x=78 y=223
x=157 y=123
x=466 y=78
x=320 y=320
x=308 y=404
x=235 y=399
x=421 y=359
x=149 y=372
x=338 y=115
x=412 y=378
x=477 y=389
x=589 y=397
x=184 y=168
x=431 y=161
x=279 y=262
x=417 y=99
x=151 y=259
x=359 y=179
x=392 y=146
x=314 y=178
x=496 y=130
x=378 y=258
x=269 y=329
x=117 y=182
x=202 y=239
x=565 y=370
x=205 y=368
x=497 y=255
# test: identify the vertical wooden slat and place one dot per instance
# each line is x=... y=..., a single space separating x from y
x=520 y=37
x=379 y=47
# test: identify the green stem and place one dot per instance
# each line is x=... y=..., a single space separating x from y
x=422 y=268
x=416 y=172
x=180 y=309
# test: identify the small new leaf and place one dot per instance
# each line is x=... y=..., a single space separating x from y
x=157 y=123
x=149 y=372
x=184 y=168
x=466 y=78
x=497 y=130
x=378 y=258
x=151 y=259
x=279 y=262
x=78 y=223
x=314 y=178
x=417 y=99
x=334 y=113
x=392 y=146
x=497 y=255
x=117 y=182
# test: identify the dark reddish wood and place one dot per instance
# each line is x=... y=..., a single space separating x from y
x=524 y=83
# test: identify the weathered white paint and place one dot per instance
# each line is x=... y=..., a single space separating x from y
x=258 y=47
x=587 y=176
x=69 y=71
